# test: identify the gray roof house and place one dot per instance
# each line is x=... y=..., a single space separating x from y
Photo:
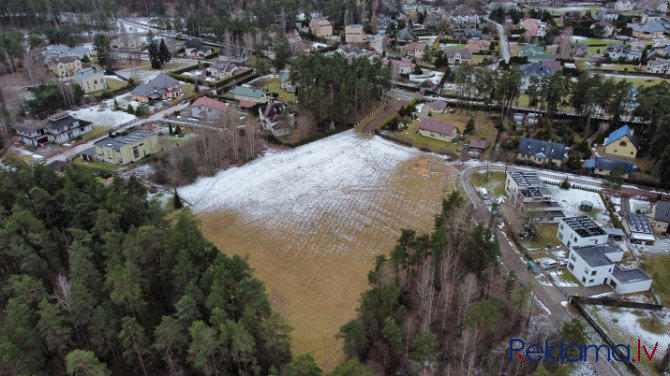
x=661 y=217
x=533 y=69
x=539 y=151
x=161 y=87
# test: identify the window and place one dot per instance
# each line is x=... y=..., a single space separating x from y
x=595 y=241
x=561 y=226
x=571 y=266
x=586 y=270
x=583 y=279
x=136 y=152
x=594 y=272
x=573 y=258
x=590 y=280
x=610 y=271
x=622 y=144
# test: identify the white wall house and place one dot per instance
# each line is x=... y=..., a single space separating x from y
x=580 y=231
x=590 y=264
x=629 y=281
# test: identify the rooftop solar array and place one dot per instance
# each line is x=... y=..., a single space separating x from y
x=638 y=223
x=584 y=226
x=526 y=179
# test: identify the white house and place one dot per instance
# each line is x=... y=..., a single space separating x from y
x=592 y=264
x=661 y=66
x=205 y=108
x=529 y=193
x=580 y=231
x=629 y=281
x=638 y=228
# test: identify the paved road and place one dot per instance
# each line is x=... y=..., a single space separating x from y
x=512 y=259
x=504 y=45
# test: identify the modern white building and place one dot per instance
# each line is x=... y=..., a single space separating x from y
x=629 y=281
x=593 y=264
x=532 y=197
x=580 y=231
x=638 y=229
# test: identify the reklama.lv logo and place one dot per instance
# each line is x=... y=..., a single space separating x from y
x=536 y=352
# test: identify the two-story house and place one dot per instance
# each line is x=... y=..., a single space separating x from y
x=621 y=144
x=122 y=150
x=250 y=94
x=539 y=151
x=207 y=109
x=354 y=34
x=162 y=87
x=638 y=229
x=660 y=217
x=532 y=197
x=270 y=118
x=321 y=27
x=415 y=49
x=458 y=56
x=91 y=80
x=66 y=66
x=580 y=231
x=659 y=66
x=223 y=69
x=59 y=128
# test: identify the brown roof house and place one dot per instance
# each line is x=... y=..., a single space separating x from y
x=160 y=88
x=477 y=146
x=439 y=130
x=205 y=108
x=415 y=49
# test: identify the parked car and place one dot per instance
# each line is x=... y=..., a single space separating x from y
x=185 y=101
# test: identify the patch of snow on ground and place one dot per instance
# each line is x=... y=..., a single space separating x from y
x=543 y=280
x=572 y=198
x=603 y=295
x=556 y=276
x=661 y=245
x=564 y=303
x=539 y=302
x=627 y=323
x=103 y=114
x=338 y=169
x=643 y=206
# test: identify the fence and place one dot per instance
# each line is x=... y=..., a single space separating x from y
x=574 y=300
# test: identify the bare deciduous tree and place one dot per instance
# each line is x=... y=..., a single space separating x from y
x=466 y=296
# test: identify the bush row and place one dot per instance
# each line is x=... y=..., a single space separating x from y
x=243 y=75
x=615 y=221
x=190 y=79
x=109 y=94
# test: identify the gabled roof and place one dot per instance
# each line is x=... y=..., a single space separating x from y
x=87 y=73
x=621 y=132
x=211 y=103
x=248 y=92
x=477 y=144
x=415 y=46
x=437 y=126
x=285 y=77
x=159 y=83
x=662 y=211
x=404 y=35
x=439 y=105
x=193 y=43
x=535 y=69
x=607 y=164
x=464 y=52
x=541 y=149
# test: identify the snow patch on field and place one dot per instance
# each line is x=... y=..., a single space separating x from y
x=572 y=198
x=321 y=177
x=103 y=115
x=643 y=206
x=626 y=322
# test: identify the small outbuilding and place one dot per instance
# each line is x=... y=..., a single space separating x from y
x=586 y=206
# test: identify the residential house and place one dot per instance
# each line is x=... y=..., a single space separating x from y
x=194 y=47
x=535 y=53
x=652 y=17
x=607 y=28
x=603 y=166
x=122 y=150
x=439 y=130
x=458 y=56
x=405 y=35
x=63 y=51
x=399 y=67
x=91 y=80
x=354 y=34
x=616 y=51
x=470 y=35
x=223 y=69
x=579 y=49
x=207 y=109
x=573 y=16
x=534 y=28
x=415 y=49
x=593 y=264
x=624 y=5
x=638 y=228
x=659 y=66
x=352 y=51
x=608 y=15
x=580 y=231
x=478 y=45
x=533 y=69
x=235 y=54
x=477 y=146
x=660 y=217
x=59 y=128
x=270 y=118
x=286 y=83
x=250 y=94
x=629 y=281
x=162 y=87
x=647 y=31
x=541 y=152
x=301 y=47
x=128 y=41
x=66 y=66
x=321 y=27
x=439 y=107
x=383 y=23
x=470 y=20
x=532 y=197
x=621 y=144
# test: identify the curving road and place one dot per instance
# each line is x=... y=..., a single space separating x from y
x=549 y=297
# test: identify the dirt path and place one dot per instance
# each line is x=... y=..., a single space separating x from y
x=380 y=117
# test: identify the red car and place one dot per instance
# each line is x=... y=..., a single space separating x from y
x=43 y=146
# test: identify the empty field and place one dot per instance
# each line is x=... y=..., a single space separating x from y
x=313 y=219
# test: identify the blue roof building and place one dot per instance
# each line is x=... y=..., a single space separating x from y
x=539 y=151
x=603 y=166
x=621 y=144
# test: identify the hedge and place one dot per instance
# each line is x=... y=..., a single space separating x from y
x=225 y=81
x=109 y=94
x=186 y=69
x=615 y=221
x=190 y=79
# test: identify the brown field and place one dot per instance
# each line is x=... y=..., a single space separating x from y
x=315 y=267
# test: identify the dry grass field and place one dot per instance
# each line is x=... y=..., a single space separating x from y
x=339 y=203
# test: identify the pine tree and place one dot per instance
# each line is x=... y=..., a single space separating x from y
x=196 y=88
x=130 y=109
x=470 y=127
x=164 y=53
x=178 y=204
x=565 y=185
x=177 y=130
x=116 y=105
x=171 y=132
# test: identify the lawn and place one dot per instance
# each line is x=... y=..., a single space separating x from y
x=544 y=234
x=113 y=84
x=658 y=267
x=96 y=130
x=639 y=81
x=484 y=125
x=274 y=86
x=188 y=89
x=494 y=184
x=411 y=134
x=96 y=165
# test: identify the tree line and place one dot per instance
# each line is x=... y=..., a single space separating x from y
x=336 y=91
x=439 y=301
x=99 y=280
